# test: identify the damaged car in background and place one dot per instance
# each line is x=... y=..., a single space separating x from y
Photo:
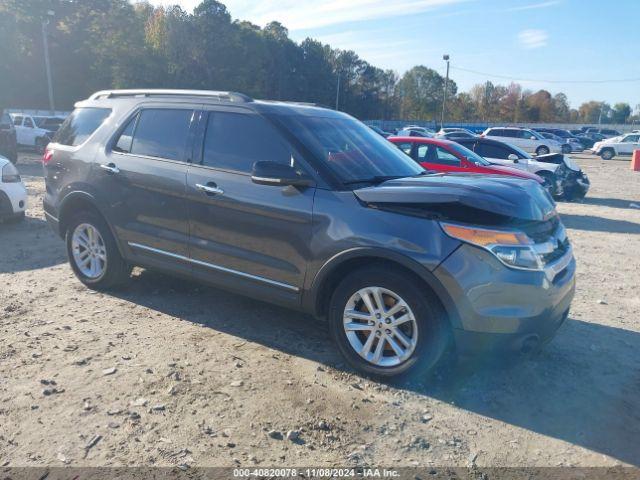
x=568 y=180
x=405 y=265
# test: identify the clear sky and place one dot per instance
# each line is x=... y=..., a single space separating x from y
x=551 y=44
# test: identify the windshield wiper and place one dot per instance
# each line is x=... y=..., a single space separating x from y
x=374 y=180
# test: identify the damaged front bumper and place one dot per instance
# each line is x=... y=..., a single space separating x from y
x=502 y=309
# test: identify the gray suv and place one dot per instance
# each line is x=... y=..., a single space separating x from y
x=308 y=208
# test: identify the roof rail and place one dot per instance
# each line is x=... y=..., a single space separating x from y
x=226 y=96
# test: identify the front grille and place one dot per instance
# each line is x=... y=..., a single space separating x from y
x=561 y=248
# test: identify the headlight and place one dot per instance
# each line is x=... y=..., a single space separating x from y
x=10 y=174
x=514 y=249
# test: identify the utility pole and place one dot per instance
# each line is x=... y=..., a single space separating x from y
x=446 y=85
x=338 y=92
x=47 y=63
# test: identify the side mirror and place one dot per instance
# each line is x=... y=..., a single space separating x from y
x=513 y=157
x=278 y=174
x=532 y=137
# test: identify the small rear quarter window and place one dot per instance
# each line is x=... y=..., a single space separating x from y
x=80 y=125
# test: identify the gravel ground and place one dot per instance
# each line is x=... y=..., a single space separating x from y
x=172 y=373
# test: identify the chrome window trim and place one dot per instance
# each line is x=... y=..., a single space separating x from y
x=215 y=267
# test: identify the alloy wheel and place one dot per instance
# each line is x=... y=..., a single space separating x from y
x=89 y=251
x=380 y=326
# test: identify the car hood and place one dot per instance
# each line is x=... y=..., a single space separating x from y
x=516 y=172
x=496 y=195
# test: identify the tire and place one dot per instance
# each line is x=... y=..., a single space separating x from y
x=110 y=273
x=427 y=328
x=542 y=150
x=549 y=182
x=607 y=153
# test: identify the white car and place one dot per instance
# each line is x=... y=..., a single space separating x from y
x=525 y=138
x=622 y=145
x=35 y=131
x=13 y=194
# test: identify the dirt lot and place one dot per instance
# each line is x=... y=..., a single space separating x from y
x=171 y=373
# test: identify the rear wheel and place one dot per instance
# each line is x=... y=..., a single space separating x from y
x=93 y=253
x=385 y=325
x=542 y=150
x=607 y=154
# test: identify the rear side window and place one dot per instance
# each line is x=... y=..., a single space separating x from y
x=80 y=125
x=161 y=133
x=17 y=121
x=497 y=132
x=405 y=147
x=235 y=141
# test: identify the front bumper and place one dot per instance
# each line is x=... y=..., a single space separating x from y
x=13 y=200
x=503 y=309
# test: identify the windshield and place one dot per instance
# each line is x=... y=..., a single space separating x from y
x=350 y=149
x=472 y=156
x=521 y=153
x=535 y=134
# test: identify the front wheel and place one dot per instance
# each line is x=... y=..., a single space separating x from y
x=385 y=325
x=542 y=150
x=93 y=253
x=607 y=154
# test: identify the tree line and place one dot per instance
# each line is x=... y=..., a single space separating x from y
x=101 y=44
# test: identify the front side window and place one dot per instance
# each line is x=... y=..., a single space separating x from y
x=80 y=125
x=17 y=121
x=235 y=141
x=445 y=157
x=28 y=122
x=162 y=133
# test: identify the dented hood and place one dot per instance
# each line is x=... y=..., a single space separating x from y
x=462 y=196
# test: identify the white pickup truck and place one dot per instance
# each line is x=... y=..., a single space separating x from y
x=35 y=131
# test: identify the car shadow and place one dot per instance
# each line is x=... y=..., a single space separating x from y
x=574 y=391
x=610 y=202
x=26 y=245
x=599 y=224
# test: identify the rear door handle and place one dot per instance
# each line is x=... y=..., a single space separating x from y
x=210 y=189
x=111 y=168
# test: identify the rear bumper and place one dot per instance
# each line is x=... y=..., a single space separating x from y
x=502 y=309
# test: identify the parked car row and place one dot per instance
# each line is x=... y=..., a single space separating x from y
x=308 y=208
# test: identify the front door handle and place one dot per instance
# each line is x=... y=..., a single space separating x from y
x=210 y=189
x=111 y=168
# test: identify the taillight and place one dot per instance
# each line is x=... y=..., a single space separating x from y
x=46 y=158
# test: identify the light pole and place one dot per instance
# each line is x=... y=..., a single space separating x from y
x=446 y=85
x=47 y=63
x=338 y=92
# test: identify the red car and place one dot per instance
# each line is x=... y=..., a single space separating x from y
x=446 y=156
